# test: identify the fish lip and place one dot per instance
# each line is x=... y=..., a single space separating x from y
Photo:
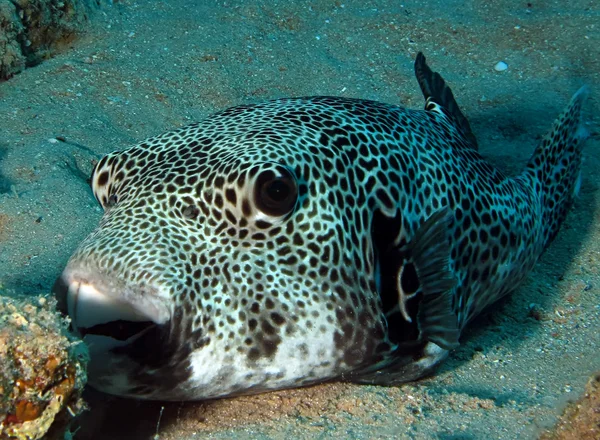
x=92 y=299
x=114 y=318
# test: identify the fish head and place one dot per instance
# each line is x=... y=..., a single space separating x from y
x=233 y=257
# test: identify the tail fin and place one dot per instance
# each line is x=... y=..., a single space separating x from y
x=555 y=167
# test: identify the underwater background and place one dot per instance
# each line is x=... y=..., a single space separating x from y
x=133 y=69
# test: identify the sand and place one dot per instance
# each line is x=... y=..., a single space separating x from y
x=145 y=67
x=581 y=419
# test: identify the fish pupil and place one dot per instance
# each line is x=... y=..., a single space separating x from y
x=278 y=190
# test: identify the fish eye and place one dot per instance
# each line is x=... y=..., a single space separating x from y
x=276 y=192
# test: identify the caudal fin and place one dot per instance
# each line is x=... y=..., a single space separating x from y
x=555 y=167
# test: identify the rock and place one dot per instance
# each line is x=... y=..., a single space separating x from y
x=11 y=57
x=42 y=373
x=34 y=30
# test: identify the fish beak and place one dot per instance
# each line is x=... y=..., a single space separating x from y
x=117 y=322
x=96 y=309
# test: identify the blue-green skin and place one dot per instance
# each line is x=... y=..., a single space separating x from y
x=398 y=235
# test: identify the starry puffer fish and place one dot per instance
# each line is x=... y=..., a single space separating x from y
x=301 y=240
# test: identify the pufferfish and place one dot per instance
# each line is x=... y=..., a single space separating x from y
x=308 y=239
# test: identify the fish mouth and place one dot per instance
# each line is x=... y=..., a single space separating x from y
x=103 y=307
x=122 y=324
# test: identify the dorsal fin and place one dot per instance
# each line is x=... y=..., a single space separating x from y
x=435 y=90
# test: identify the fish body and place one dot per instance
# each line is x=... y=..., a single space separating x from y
x=300 y=240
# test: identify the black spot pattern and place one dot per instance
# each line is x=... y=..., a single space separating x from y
x=181 y=215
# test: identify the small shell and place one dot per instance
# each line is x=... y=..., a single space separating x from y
x=500 y=66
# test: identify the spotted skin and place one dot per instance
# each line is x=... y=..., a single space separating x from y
x=286 y=243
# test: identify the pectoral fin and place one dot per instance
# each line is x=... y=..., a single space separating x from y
x=430 y=252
